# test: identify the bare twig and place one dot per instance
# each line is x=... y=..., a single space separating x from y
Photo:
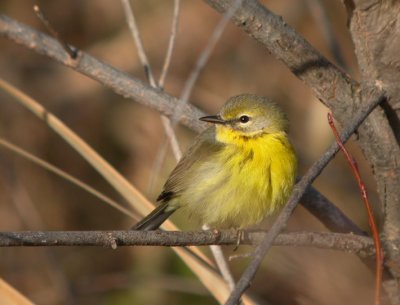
x=298 y=192
x=371 y=219
x=361 y=245
x=171 y=135
x=205 y=54
x=332 y=217
x=222 y=263
x=319 y=12
x=121 y=83
x=168 y=128
x=125 y=189
x=73 y=52
x=171 y=44
x=223 y=266
x=130 y=17
x=57 y=171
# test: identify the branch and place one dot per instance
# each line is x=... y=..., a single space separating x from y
x=332 y=217
x=352 y=243
x=122 y=83
x=332 y=86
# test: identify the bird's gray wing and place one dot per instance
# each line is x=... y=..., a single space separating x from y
x=203 y=147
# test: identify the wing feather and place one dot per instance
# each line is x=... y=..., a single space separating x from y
x=203 y=148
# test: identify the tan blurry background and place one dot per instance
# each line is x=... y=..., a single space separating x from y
x=129 y=136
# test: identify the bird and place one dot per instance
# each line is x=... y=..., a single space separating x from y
x=241 y=169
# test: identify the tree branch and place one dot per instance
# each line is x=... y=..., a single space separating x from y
x=352 y=243
x=332 y=217
x=331 y=85
x=122 y=83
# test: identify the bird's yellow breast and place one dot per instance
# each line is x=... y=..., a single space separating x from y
x=244 y=181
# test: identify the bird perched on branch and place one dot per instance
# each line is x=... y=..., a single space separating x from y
x=236 y=172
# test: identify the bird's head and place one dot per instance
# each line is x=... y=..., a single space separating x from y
x=250 y=115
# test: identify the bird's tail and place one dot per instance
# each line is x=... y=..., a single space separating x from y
x=154 y=220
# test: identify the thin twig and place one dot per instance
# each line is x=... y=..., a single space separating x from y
x=171 y=135
x=73 y=52
x=130 y=17
x=120 y=184
x=298 y=192
x=169 y=130
x=222 y=263
x=223 y=266
x=371 y=219
x=332 y=217
x=171 y=44
x=120 y=82
x=205 y=54
x=360 y=245
x=319 y=12
x=57 y=171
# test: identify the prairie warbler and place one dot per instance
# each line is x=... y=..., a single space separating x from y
x=236 y=172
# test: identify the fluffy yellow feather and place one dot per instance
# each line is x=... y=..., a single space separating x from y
x=236 y=172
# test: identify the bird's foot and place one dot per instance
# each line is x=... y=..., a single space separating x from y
x=239 y=237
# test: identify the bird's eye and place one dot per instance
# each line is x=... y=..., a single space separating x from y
x=244 y=119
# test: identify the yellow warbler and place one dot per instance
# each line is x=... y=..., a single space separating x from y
x=236 y=172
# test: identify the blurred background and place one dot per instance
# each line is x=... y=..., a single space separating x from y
x=130 y=137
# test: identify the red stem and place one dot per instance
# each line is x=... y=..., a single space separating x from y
x=371 y=219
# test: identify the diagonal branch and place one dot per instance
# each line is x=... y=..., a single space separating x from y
x=130 y=17
x=331 y=85
x=333 y=218
x=122 y=83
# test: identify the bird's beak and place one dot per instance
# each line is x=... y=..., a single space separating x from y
x=215 y=119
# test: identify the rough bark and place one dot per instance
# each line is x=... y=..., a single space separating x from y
x=375 y=29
